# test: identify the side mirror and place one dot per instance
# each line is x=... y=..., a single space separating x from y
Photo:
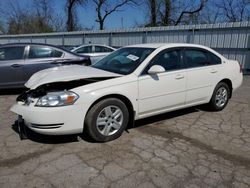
x=156 y=69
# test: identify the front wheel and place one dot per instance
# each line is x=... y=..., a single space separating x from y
x=220 y=97
x=107 y=119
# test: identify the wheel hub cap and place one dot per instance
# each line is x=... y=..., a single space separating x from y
x=221 y=97
x=109 y=120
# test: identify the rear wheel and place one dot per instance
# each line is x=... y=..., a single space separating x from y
x=220 y=97
x=107 y=119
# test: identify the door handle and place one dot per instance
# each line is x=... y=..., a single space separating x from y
x=213 y=71
x=179 y=76
x=16 y=65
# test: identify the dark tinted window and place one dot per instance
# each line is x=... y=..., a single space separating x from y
x=196 y=58
x=102 y=49
x=11 y=53
x=43 y=52
x=214 y=59
x=85 y=49
x=169 y=59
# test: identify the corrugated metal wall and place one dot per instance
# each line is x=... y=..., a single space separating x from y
x=230 y=39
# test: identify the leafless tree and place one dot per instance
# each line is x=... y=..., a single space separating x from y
x=234 y=10
x=43 y=12
x=2 y=29
x=153 y=12
x=104 y=8
x=71 y=15
x=165 y=17
x=173 y=12
x=190 y=11
x=22 y=20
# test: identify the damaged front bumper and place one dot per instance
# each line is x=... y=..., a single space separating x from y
x=48 y=120
x=51 y=121
x=58 y=120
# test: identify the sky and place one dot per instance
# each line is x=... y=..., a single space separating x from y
x=128 y=17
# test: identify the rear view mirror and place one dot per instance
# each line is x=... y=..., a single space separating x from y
x=156 y=69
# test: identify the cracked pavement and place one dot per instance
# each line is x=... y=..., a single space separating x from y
x=186 y=148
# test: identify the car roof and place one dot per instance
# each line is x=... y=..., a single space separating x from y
x=96 y=45
x=42 y=44
x=158 y=45
x=30 y=43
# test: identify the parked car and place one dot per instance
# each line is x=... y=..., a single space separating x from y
x=132 y=83
x=95 y=51
x=68 y=48
x=18 y=62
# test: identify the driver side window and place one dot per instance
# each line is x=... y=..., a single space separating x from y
x=168 y=59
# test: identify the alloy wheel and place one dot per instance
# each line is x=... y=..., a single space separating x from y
x=109 y=120
x=221 y=97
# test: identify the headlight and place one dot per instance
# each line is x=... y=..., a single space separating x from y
x=54 y=99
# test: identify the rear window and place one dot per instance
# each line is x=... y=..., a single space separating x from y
x=196 y=58
x=214 y=59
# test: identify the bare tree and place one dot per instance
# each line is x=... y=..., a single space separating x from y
x=153 y=12
x=1 y=20
x=167 y=12
x=234 y=10
x=104 y=8
x=210 y=13
x=173 y=12
x=43 y=12
x=20 y=20
x=190 y=11
x=71 y=16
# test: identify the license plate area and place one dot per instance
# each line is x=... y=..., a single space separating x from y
x=21 y=128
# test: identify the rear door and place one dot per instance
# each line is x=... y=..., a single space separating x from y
x=203 y=70
x=40 y=57
x=11 y=66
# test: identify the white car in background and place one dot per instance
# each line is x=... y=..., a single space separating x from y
x=95 y=51
x=132 y=83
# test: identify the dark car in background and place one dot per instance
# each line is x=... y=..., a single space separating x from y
x=19 y=61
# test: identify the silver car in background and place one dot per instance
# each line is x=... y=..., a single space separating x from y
x=95 y=51
x=19 y=61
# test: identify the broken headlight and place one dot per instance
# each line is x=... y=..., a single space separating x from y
x=55 y=99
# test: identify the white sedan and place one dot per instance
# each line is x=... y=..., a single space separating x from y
x=132 y=83
x=95 y=51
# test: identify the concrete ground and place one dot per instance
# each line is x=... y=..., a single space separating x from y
x=186 y=148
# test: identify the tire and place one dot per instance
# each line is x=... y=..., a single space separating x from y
x=220 y=97
x=107 y=119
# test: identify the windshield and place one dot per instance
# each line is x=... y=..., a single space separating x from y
x=124 y=61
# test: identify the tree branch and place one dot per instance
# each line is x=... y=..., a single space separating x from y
x=201 y=6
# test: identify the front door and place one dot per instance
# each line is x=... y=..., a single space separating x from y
x=164 y=91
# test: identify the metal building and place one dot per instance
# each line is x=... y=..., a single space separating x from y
x=230 y=39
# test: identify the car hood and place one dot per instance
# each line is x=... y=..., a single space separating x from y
x=66 y=73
